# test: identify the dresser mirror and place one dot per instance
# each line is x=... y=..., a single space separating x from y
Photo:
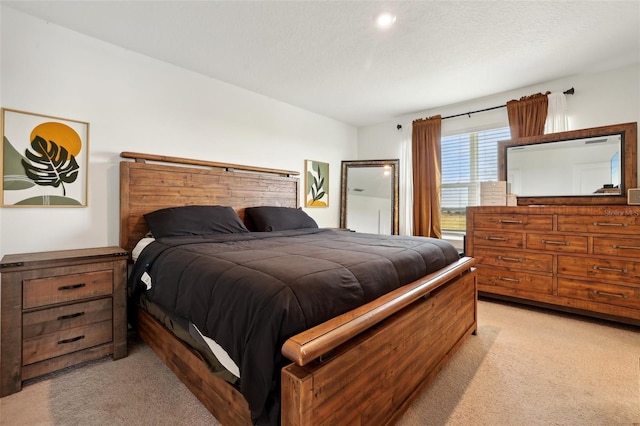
x=369 y=196
x=587 y=166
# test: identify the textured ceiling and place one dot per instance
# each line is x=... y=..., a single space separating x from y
x=328 y=57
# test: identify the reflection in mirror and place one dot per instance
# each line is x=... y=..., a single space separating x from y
x=369 y=199
x=589 y=166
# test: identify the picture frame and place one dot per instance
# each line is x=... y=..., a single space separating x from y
x=316 y=184
x=45 y=161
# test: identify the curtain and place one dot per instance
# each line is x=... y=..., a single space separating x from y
x=425 y=154
x=557 y=120
x=528 y=115
x=406 y=183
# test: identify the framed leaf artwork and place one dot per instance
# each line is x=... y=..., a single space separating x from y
x=45 y=160
x=316 y=183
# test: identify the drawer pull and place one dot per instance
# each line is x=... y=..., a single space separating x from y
x=496 y=239
x=517 y=222
x=515 y=280
x=510 y=259
x=608 y=224
x=72 y=286
x=558 y=243
x=73 y=339
x=76 y=315
x=603 y=268
x=615 y=246
x=604 y=293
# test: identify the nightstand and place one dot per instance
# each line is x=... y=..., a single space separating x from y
x=60 y=308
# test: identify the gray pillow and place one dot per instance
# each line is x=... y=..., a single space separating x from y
x=271 y=218
x=194 y=220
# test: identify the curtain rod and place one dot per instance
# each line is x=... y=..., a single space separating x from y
x=566 y=92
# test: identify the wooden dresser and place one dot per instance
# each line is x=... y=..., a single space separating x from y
x=58 y=309
x=583 y=259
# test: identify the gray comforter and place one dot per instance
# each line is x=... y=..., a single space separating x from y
x=250 y=292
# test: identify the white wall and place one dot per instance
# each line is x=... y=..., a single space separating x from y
x=135 y=103
x=600 y=99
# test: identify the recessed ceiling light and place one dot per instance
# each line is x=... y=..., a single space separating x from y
x=385 y=20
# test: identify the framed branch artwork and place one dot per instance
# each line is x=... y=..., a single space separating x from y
x=45 y=160
x=316 y=184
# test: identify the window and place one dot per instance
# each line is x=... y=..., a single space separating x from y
x=467 y=160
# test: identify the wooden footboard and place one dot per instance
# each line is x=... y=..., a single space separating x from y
x=373 y=378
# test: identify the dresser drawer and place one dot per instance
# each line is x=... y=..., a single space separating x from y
x=516 y=280
x=513 y=221
x=604 y=224
x=45 y=321
x=498 y=239
x=609 y=270
x=557 y=243
x=65 y=288
x=537 y=262
x=63 y=342
x=611 y=294
x=617 y=246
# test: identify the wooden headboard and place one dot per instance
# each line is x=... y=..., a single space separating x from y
x=172 y=181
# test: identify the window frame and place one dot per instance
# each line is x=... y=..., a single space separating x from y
x=475 y=169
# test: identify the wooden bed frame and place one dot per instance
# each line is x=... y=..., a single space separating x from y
x=363 y=367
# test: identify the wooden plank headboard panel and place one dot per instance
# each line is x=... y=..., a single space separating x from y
x=146 y=187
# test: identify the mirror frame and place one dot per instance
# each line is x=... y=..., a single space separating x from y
x=395 y=203
x=629 y=163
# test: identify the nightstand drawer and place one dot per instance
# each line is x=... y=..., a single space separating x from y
x=51 y=320
x=47 y=291
x=66 y=341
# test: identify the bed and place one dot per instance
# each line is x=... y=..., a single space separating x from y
x=358 y=362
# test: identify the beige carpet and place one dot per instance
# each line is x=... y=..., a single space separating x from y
x=525 y=367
